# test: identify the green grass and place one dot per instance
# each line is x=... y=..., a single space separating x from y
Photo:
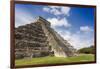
x=54 y=60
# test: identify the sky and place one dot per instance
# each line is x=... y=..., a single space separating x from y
x=74 y=24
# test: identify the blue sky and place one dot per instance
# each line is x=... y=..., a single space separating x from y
x=75 y=24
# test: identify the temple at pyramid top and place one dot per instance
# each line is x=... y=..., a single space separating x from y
x=42 y=20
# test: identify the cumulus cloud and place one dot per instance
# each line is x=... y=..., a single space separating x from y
x=81 y=40
x=22 y=17
x=46 y=9
x=85 y=29
x=57 y=10
x=77 y=40
x=65 y=10
x=55 y=22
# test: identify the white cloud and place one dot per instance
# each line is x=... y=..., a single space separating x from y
x=22 y=17
x=55 y=22
x=85 y=29
x=46 y=9
x=81 y=41
x=57 y=10
x=65 y=10
x=77 y=40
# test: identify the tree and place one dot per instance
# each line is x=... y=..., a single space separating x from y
x=87 y=50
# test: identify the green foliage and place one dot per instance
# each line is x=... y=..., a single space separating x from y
x=55 y=60
x=87 y=50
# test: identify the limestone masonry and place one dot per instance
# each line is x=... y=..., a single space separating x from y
x=38 y=39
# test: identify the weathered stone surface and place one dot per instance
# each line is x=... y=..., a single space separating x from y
x=39 y=39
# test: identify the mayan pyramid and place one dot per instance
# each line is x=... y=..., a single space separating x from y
x=38 y=39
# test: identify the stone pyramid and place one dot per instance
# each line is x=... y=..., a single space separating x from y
x=38 y=39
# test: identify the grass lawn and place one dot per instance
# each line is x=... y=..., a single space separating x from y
x=54 y=60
